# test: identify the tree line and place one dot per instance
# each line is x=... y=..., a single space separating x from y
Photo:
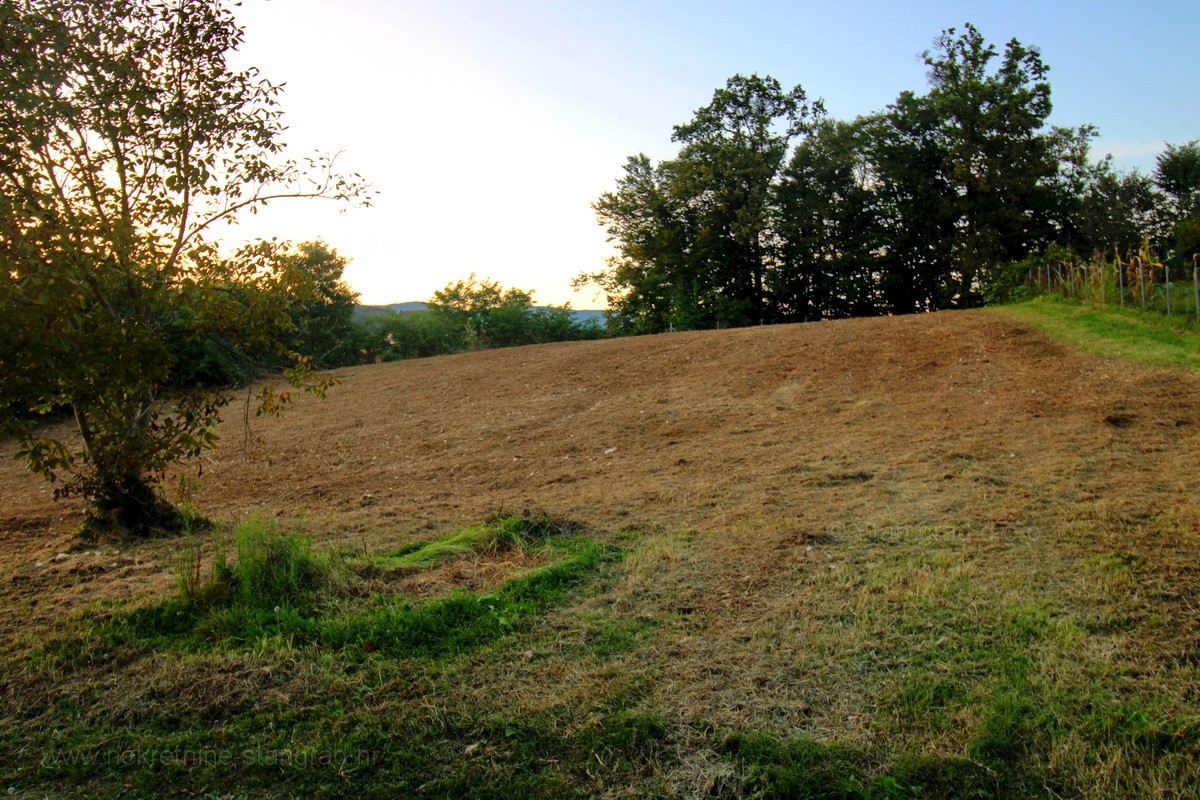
x=320 y=318
x=471 y=314
x=772 y=211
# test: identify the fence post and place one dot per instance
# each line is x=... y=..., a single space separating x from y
x=1167 y=278
x=1121 y=280
x=1196 y=280
x=1141 y=265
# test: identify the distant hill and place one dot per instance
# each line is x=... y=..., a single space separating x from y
x=362 y=312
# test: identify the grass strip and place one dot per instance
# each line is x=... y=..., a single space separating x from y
x=1114 y=332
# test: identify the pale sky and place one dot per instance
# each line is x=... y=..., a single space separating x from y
x=489 y=128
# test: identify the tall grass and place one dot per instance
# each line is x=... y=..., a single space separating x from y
x=270 y=568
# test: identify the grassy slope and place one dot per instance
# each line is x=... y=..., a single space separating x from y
x=1118 y=333
x=1017 y=654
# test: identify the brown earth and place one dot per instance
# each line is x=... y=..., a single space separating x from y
x=777 y=437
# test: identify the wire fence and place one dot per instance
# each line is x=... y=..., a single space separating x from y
x=1139 y=282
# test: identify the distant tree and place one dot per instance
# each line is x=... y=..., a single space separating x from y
x=733 y=151
x=1117 y=210
x=999 y=158
x=485 y=313
x=409 y=334
x=124 y=138
x=770 y=211
x=652 y=285
x=324 y=319
x=314 y=317
x=471 y=314
x=914 y=201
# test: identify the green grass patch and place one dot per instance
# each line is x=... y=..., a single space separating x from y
x=1115 y=332
x=278 y=592
x=803 y=769
x=499 y=534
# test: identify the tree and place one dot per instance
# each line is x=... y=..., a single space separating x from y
x=770 y=211
x=990 y=161
x=651 y=286
x=324 y=319
x=1116 y=210
x=733 y=151
x=827 y=228
x=914 y=205
x=1177 y=172
x=299 y=290
x=481 y=313
x=694 y=232
x=125 y=138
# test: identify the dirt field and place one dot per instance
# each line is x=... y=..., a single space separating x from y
x=964 y=418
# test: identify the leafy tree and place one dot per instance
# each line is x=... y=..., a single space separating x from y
x=324 y=319
x=470 y=314
x=770 y=211
x=410 y=334
x=827 y=228
x=733 y=151
x=652 y=285
x=1116 y=210
x=124 y=139
x=694 y=232
x=984 y=120
x=914 y=203
x=1177 y=172
x=313 y=315
x=483 y=312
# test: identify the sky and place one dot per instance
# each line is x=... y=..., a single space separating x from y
x=488 y=128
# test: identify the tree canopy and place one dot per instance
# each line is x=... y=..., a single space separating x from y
x=771 y=211
x=125 y=140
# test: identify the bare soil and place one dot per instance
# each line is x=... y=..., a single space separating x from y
x=775 y=437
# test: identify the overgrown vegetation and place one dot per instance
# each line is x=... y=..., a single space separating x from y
x=278 y=591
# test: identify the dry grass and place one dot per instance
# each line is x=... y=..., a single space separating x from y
x=867 y=533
